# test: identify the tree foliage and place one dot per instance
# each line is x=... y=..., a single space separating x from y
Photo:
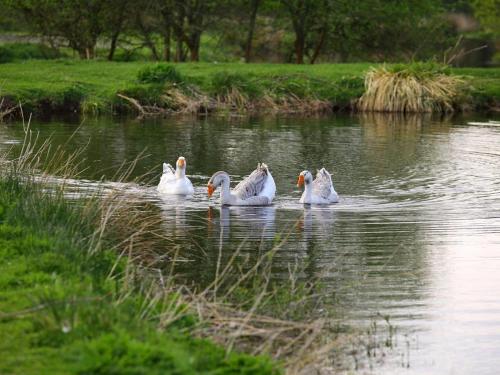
x=488 y=14
x=302 y=31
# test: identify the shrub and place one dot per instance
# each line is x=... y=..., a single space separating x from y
x=159 y=73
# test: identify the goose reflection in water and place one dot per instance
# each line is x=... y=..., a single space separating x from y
x=316 y=222
x=240 y=222
x=174 y=214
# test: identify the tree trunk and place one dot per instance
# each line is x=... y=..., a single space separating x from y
x=319 y=46
x=299 y=46
x=166 y=44
x=88 y=53
x=178 y=25
x=152 y=47
x=251 y=29
x=194 y=54
x=147 y=38
x=178 y=51
x=112 y=48
x=194 y=47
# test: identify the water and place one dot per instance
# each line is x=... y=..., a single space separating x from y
x=416 y=235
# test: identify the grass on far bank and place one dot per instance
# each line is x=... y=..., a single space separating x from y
x=45 y=87
x=63 y=85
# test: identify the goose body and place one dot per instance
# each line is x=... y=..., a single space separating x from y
x=174 y=181
x=258 y=189
x=319 y=191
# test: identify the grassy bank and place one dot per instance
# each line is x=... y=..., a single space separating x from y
x=45 y=87
x=70 y=304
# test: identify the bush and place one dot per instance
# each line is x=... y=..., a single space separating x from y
x=25 y=51
x=159 y=73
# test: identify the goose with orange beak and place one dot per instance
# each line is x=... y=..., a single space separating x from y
x=175 y=182
x=258 y=189
x=317 y=191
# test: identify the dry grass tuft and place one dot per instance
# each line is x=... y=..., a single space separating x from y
x=420 y=87
x=175 y=100
x=292 y=104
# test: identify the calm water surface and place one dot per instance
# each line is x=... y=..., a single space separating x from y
x=416 y=235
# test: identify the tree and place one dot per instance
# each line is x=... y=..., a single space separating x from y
x=254 y=7
x=488 y=14
x=116 y=15
x=386 y=30
x=308 y=17
x=189 y=20
x=166 y=8
x=80 y=22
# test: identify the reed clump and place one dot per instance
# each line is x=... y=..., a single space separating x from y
x=417 y=87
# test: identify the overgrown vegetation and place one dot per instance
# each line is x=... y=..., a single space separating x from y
x=301 y=31
x=417 y=87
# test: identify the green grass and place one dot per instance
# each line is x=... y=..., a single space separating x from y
x=69 y=85
x=62 y=313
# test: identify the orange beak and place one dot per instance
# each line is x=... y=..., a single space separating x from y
x=181 y=163
x=300 y=181
x=210 y=189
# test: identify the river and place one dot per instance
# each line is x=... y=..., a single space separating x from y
x=415 y=236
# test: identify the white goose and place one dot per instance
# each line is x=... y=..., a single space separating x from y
x=258 y=189
x=319 y=191
x=175 y=181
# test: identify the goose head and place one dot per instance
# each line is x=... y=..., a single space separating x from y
x=305 y=177
x=215 y=181
x=181 y=162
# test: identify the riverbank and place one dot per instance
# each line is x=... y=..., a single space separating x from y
x=71 y=86
x=70 y=304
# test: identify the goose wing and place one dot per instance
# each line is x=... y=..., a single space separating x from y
x=322 y=184
x=168 y=169
x=253 y=185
